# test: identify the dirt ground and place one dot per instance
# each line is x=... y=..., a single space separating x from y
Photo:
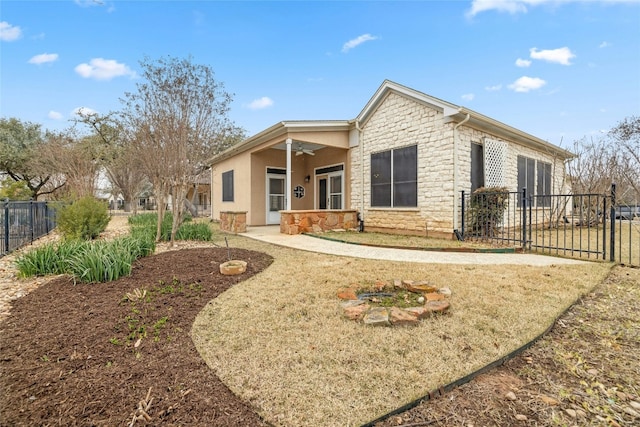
x=70 y=355
x=100 y=355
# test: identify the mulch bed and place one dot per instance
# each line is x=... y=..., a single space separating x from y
x=68 y=353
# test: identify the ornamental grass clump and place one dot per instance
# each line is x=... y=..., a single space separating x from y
x=104 y=261
x=98 y=261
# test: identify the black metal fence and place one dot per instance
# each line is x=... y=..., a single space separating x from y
x=588 y=226
x=23 y=222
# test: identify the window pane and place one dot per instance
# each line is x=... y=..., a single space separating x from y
x=227 y=186
x=405 y=165
x=405 y=194
x=276 y=186
x=381 y=179
x=405 y=177
x=477 y=166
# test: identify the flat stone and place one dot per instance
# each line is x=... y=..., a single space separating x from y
x=434 y=296
x=445 y=291
x=356 y=312
x=352 y=303
x=437 y=306
x=400 y=317
x=419 y=312
x=377 y=316
x=397 y=284
x=421 y=288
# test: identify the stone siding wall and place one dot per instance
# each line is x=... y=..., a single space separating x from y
x=233 y=222
x=296 y=222
x=399 y=122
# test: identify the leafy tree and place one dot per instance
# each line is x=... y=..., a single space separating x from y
x=177 y=119
x=14 y=190
x=21 y=145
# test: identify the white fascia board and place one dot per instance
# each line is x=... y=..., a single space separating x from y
x=494 y=126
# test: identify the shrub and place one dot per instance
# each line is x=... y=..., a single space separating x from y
x=84 y=219
x=486 y=210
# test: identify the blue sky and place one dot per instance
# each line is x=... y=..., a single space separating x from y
x=560 y=69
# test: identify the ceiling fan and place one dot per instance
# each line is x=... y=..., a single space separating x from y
x=302 y=151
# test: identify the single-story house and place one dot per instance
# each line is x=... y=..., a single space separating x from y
x=399 y=166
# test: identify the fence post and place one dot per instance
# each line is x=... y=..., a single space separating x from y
x=6 y=226
x=524 y=218
x=31 y=219
x=604 y=227
x=462 y=216
x=612 y=236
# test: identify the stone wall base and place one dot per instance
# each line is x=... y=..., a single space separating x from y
x=296 y=222
x=233 y=221
x=429 y=233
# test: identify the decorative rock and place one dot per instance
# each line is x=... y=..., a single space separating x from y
x=421 y=300
x=571 y=412
x=434 y=296
x=445 y=291
x=419 y=312
x=352 y=303
x=400 y=317
x=233 y=267
x=347 y=294
x=436 y=306
x=379 y=286
x=521 y=417
x=397 y=284
x=377 y=316
x=421 y=288
x=511 y=396
x=356 y=312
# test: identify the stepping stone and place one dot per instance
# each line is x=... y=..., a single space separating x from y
x=400 y=317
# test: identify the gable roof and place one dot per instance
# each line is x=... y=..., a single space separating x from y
x=456 y=114
x=452 y=114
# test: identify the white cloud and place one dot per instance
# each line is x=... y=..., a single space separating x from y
x=526 y=84
x=55 y=115
x=83 y=111
x=261 y=103
x=8 y=32
x=523 y=63
x=493 y=88
x=561 y=55
x=43 y=58
x=510 y=6
x=103 y=69
x=89 y=3
x=522 y=6
x=468 y=96
x=357 y=42
x=604 y=44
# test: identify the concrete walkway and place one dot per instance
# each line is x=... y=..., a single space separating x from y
x=271 y=234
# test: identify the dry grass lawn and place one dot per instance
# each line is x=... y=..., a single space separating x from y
x=278 y=340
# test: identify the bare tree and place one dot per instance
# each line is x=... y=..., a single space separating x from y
x=74 y=159
x=625 y=137
x=178 y=115
x=118 y=157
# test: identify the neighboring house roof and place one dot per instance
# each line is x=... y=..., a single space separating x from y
x=451 y=112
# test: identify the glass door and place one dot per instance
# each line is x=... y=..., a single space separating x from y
x=275 y=198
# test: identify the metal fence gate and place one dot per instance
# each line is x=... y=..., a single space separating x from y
x=23 y=222
x=590 y=226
